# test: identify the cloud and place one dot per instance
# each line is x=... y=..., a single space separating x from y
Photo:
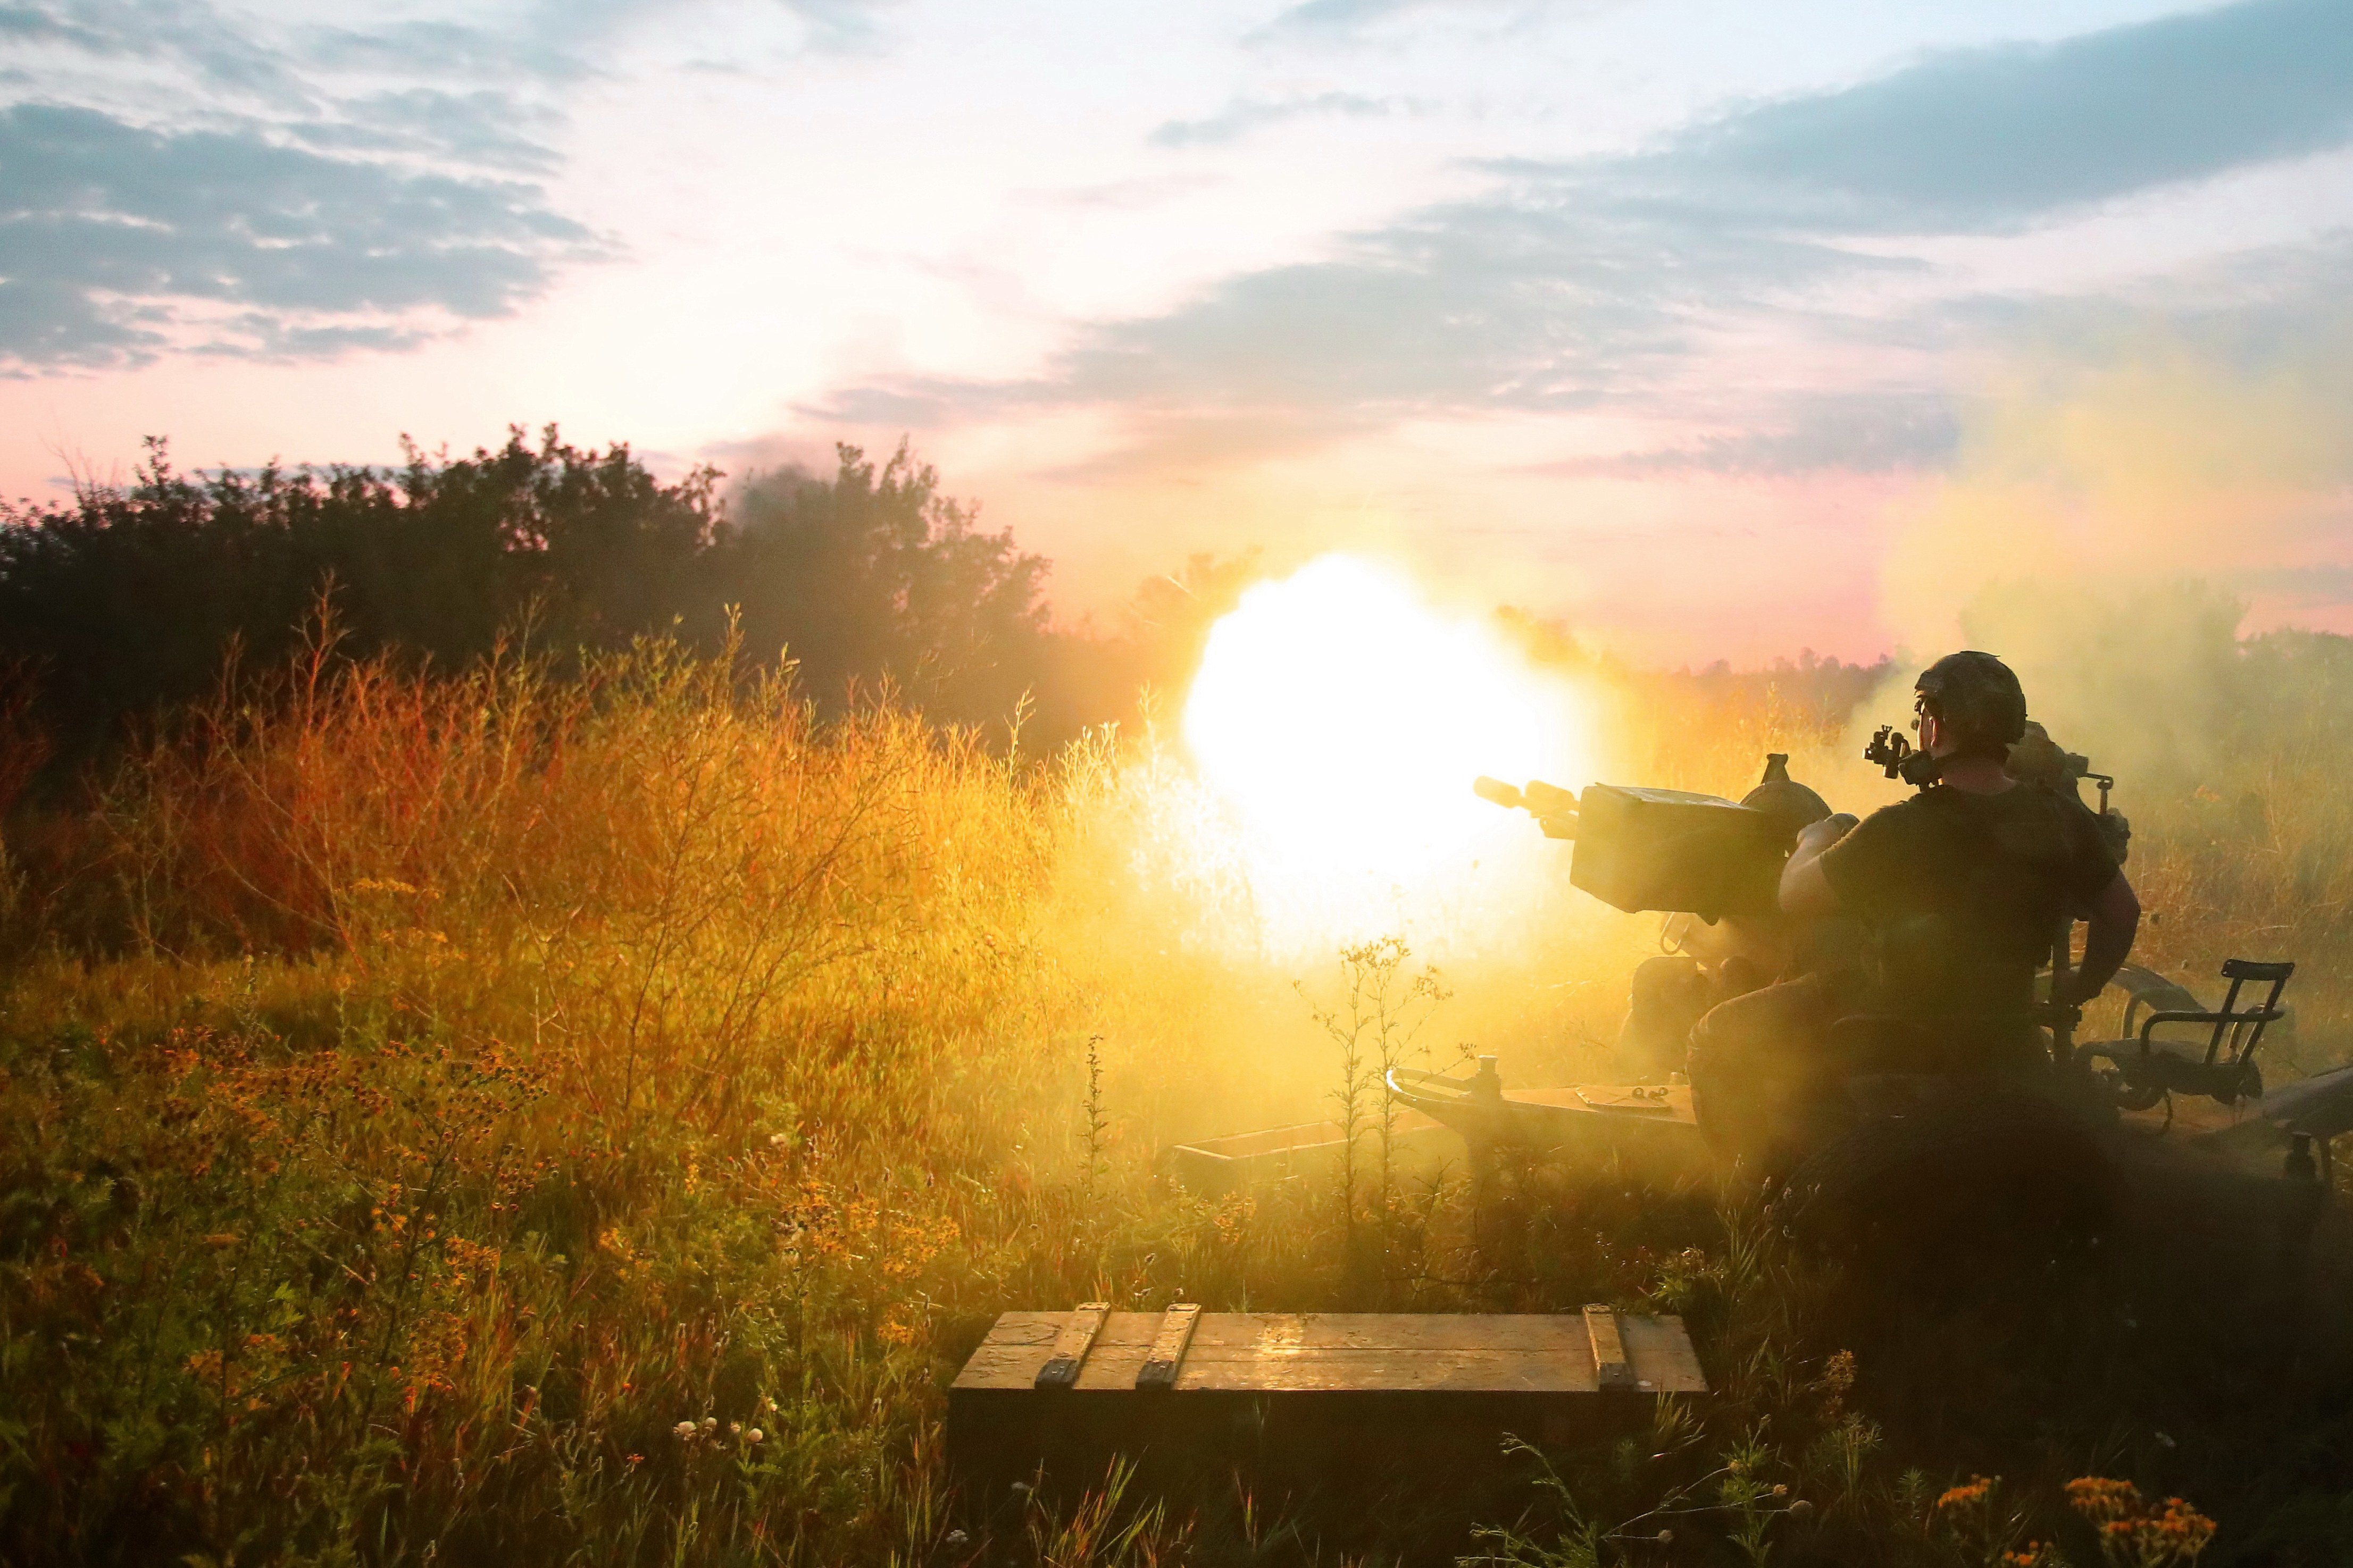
x=1857 y=433
x=1605 y=280
x=1244 y=115
x=1348 y=16
x=441 y=50
x=2247 y=306
x=440 y=90
x=117 y=243
x=259 y=334
x=48 y=25
x=1539 y=300
x=1982 y=140
x=841 y=26
x=480 y=127
x=1342 y=13
x=204 y=48
x=556 y=40
x=176 y=176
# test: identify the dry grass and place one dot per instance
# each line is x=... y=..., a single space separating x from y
x=535 y=1121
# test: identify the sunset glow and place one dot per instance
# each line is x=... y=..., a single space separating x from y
x=1665 y=323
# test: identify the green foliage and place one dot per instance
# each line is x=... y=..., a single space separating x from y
x=875 y=577
x=130 y=598
x=1382 y=1011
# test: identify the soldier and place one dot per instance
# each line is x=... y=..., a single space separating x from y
x=1960 y=891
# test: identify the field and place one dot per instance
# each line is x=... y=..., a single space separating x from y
x=491 y=1118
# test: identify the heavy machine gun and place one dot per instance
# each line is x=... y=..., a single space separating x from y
x=1915 y=1153
x=1665 y=849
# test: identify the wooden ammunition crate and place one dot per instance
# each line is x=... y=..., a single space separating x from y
x=1076 y=1382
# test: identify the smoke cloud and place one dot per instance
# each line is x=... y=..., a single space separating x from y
x=2118 y=518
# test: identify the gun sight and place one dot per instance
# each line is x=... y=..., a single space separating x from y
x=1901 y=759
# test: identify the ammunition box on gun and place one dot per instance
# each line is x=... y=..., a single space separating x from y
x=1665 y=849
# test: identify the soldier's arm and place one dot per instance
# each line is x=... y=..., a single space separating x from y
x=2108 y=937
x=1804 y=889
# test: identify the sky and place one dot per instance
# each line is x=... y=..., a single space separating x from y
x=1714 y=329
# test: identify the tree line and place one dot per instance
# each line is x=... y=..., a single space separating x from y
x=131 y=599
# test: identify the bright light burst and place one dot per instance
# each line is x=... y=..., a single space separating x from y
x=1341 y=719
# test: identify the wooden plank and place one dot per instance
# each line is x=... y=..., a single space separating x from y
x=1610 y=1367
x=1067 y=1356
x=1665 y=1362
x=1311 y=1352
x=1167 y=1353
x=1306 y=1352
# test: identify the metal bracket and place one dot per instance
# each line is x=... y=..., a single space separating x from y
x=1071 y=1346
x=1168 y=1346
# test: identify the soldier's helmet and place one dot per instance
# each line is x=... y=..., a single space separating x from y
x=1977 y=701
x=1790 y=805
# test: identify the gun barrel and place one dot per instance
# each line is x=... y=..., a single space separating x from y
x=1497 y=791
x=1550 y=800
x=1554 y=808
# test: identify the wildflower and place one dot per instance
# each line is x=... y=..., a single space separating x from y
x=777 y=1140
x=954 y=1537
x=1967 y=1495
x=2131 y=1530
x=753 y=1435
x=735 y=1428
x=710 y=1422
x=1837 y=1377
x=1780 y=1488
x=1666 y=1538
x=685 y=1430
x=2101 y=1499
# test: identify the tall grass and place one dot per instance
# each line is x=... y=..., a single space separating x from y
x=488 y=1118
x=483 y=1077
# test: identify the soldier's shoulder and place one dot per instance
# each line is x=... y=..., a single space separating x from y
x=1910 y=808
x=1896 y=820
